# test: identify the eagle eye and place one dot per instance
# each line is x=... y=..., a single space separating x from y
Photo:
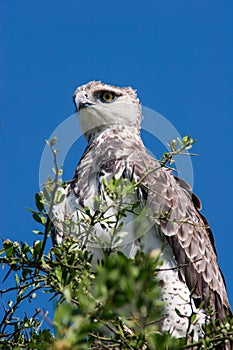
x=107 y=96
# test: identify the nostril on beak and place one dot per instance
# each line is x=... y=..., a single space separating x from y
x=81 y=100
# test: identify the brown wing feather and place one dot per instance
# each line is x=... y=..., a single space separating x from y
x=188 y=233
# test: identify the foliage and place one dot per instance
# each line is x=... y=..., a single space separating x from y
x=114 y=305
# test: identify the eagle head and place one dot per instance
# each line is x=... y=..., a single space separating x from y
x=101 y=106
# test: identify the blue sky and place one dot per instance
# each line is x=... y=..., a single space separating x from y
x=179 y=56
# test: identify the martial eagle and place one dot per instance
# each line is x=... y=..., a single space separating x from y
x=110 y=119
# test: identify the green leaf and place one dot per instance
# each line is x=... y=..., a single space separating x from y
x=43 y=220
x=185 y=138
x=31 y=210
x=59 y=196
x=87 y=210
x=39 y=204
x=17 y=278
x=37 y=232
x=58 y=273
x=96 y=204
x=37 y=217
x=193 y=317
x=180 y=314
x=37 y=247
x=53 y=141
x=136 y=204
x=46 y=194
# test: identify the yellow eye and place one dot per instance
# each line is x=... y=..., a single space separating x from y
x=107 y=96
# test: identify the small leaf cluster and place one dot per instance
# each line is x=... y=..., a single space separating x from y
x=178 y=146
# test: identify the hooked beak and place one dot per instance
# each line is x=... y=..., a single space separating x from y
x=81 y=101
